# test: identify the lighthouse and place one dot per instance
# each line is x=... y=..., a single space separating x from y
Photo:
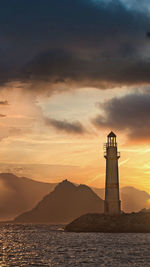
x=112 y=204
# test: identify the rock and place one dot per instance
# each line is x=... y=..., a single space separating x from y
x=123 y=223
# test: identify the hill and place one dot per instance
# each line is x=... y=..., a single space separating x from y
x=20 y=194
x=64 y=204
x=132 y=199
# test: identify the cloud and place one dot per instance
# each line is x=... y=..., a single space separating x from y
x=7 y=132
x=4 y=103
x=62 y=67
x=64 y=126
x=137 y=4
x=129 y=113
x=2 y=115
x=64 y=42
x=13 y=131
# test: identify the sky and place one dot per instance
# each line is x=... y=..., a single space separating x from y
x=70 y=72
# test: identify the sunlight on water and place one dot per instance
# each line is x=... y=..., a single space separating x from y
x=42 y=245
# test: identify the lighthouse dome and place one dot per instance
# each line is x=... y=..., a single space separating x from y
x=111 y=134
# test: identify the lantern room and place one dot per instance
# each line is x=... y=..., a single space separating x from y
x=111 y=139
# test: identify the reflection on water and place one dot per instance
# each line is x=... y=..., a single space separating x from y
x=43 y=245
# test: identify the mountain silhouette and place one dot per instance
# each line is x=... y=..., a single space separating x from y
x=20 y=194
x=63 y=205
x=132 y=199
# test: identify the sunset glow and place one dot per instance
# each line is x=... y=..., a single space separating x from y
x=32 y=147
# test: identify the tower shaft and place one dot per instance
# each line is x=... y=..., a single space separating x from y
x=112 y=203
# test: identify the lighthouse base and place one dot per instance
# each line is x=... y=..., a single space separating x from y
x=112 y=207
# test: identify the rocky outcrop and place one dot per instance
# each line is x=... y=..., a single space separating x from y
x=123 y=223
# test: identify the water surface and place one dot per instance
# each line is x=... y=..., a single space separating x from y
x=43 y=245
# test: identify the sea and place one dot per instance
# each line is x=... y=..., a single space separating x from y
x=45 y=245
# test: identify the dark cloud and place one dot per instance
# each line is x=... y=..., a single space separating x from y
x=95 y=44
x=129 y=113
x=60 y=66
x=4 y=103
x=65 y=126
x=148 y=34
x=2 y=115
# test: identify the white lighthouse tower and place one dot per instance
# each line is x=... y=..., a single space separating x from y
x=112 y=204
